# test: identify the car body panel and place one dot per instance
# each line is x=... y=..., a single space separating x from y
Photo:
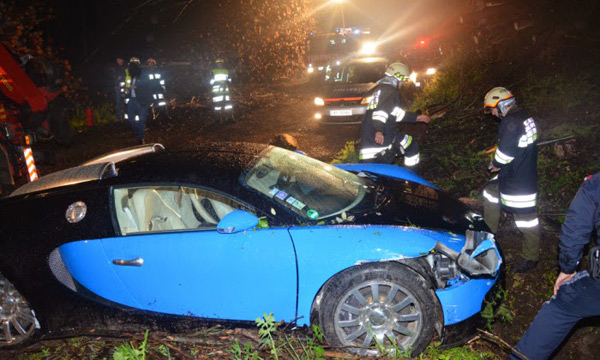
x=185 y=273
x=394 y=171
x=337 y=248
x=463 y=299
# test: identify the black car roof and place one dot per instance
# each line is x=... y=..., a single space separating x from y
x=211 y=164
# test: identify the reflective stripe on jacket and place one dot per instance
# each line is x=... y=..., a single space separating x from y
x=516 y=156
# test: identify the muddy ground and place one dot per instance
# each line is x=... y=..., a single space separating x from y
x=261 y=114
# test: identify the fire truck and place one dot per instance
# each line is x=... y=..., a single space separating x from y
x=30 y=99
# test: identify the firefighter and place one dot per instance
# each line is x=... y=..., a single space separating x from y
x=576 y=294
x=514 y=188
x=381 y=142
x=219 y=82
x=159 y=103
x=138 y=91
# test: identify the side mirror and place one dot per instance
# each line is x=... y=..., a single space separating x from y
x=236 y=221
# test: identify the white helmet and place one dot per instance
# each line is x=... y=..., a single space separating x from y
x=500 y=98
x=399 y=71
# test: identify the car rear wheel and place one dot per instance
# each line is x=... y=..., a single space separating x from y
x=378 y=308
x=17 y=319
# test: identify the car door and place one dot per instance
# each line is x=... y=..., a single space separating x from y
x=172 y=260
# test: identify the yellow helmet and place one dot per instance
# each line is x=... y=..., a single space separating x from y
x=399 y=71
x=494 y=96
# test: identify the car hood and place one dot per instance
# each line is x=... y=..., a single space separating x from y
x=407 y=203
x=348 y=90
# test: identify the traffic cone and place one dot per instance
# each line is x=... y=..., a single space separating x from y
x=89 y=117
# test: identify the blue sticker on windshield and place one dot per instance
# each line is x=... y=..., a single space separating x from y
x=281 y=195
x=273 y=191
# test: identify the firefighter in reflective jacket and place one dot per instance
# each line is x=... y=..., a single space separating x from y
x=220 y=88
x=159 y=100
x=514 y=188
x=381 y=142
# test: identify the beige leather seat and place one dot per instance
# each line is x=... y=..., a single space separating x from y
x=126 y=213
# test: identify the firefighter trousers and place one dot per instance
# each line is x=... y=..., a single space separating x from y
x=528 y=224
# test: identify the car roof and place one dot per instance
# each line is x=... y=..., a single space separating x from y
x=365 y=60
x=210 y=163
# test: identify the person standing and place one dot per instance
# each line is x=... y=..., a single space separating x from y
x=159 y=100
x=219 y=82
x=117 y=75
x=514 y=188
x=576 y=294
x=381 y=142
x=138 y=91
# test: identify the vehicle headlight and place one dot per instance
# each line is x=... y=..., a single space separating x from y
x=366 y=100
x=413 y=77
x=319 y=101
x=430 y=71
x=310 y=69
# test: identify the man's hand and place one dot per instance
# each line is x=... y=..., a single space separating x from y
x=379 y=138
x=562 y=278
x=423 y=118
x=492 y=168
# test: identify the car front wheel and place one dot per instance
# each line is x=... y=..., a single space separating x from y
x=378 y=308
x=17 y=320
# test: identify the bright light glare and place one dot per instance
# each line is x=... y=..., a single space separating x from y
x=318 y=116
x=430 y=71
x=319 y=101
x=311 y=69
x=339 y=1
x=413 y=77
x=368 y=48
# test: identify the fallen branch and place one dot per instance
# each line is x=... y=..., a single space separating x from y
x=498 y=341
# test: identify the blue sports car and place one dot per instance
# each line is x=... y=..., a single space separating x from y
x=374 y=254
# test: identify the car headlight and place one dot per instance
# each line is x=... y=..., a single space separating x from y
x=479 y=256
x=430 y=71
x=310 y=69
x=366 y=100
x=319 y=101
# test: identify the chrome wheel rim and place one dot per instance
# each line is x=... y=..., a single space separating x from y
x=17 y=320
x=378 y=314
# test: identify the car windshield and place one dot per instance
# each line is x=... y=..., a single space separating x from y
x=308 y=187
x=357 y=73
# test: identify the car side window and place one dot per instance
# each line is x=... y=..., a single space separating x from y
x=169 y=208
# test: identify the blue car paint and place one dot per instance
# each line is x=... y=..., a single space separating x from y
x=463 y=299
x=327 y=250
x=394 y=171
x=197 y=273
x=87 y=263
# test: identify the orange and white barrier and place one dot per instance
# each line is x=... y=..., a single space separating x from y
x=33 y=174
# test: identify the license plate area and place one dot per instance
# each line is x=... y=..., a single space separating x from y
x=340 y=112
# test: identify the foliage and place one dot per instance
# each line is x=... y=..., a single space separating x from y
x=433 y=351
x=128 y=351
x=347 y=155
x=103 y=114
x=266 y=328
x=497 y=308
x=558 y=93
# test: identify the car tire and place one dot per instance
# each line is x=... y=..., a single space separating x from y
x=17 y=319
x=374 y=309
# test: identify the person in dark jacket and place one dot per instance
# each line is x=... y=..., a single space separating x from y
x=139 y=90
x=117 y=75
x=380 y=141
x=514 y=188
x=576 y=294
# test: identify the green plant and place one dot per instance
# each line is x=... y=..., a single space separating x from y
x=347 y=155
x=266 y=328
x=128 y=351
x=434 y=352
x=243 y=354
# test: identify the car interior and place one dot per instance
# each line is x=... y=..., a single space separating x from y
x=168 y=208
